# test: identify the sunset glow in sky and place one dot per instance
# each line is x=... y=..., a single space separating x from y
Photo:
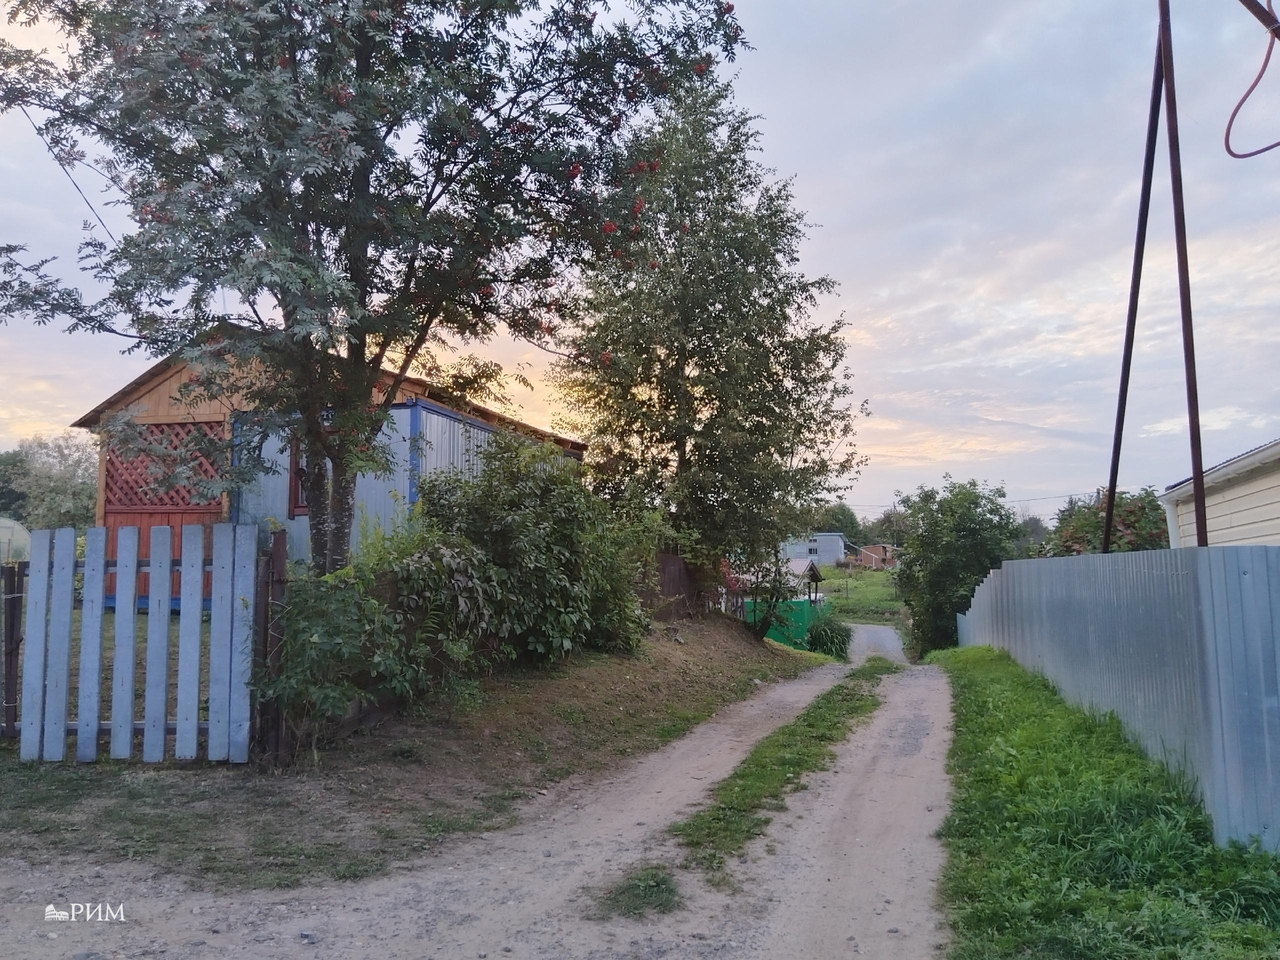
x=971 y=171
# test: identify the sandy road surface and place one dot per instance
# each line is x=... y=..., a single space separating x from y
x=857 y=860
x=852 y=859
x=521 y=888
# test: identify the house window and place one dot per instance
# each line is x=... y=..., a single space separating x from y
x=813 y=551
x=297 y=482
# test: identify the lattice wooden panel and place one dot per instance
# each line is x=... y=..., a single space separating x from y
x=130 y=483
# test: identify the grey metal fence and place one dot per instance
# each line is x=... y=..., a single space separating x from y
x=1184 y=647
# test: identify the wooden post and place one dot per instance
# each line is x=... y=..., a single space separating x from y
x=12 y=581
x=278 y=573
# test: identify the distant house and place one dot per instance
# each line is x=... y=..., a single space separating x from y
x=823 y=549
x=425 y=433
x=876 y=556
x=1242 y=502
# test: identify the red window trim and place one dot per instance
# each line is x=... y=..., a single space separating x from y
x=297 y=493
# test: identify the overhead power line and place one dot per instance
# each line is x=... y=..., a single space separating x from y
x=58 y=160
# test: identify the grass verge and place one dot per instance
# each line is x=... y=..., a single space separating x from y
x=647 y=889
x=862 y=596
x=775 y=767
x=391 y=793
x=1067 y=843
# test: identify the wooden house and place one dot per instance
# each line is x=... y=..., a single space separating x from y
x=425 y=432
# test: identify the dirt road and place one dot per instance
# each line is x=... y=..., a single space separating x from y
x=854 y=857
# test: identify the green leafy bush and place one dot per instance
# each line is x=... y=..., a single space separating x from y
x=519 y=558
x=1138 y=524
x=827 y=634
x=954 y=537
x=572 y=564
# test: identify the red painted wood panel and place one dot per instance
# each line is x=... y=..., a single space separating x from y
x=144 y=520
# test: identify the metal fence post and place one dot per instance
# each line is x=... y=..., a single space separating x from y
x=273 y=604
x=12 y=581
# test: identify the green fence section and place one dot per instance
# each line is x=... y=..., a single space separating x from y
x=795 y=616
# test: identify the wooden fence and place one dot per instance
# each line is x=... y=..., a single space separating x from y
x=208 y=690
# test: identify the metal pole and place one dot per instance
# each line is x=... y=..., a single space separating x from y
x=12 y=586
x=1265 y=16
x=1135 y=282
x=1184 y=274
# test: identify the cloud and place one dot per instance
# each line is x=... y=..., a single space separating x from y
x=1219 y=418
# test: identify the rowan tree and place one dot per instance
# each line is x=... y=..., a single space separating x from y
x=324 y=190
x=697 y=369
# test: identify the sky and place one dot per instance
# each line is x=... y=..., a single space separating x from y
x=971 y=172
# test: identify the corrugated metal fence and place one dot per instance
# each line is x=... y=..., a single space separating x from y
x=1184 y=647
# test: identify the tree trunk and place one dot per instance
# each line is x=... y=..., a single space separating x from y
x=317 y=487
x=342 y=504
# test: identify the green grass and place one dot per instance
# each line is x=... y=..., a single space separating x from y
x=1067 y=843
x=775 y=767
x=862 y=596
x=647 y=889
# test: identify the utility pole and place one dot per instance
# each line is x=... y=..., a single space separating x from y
x=1163 y=87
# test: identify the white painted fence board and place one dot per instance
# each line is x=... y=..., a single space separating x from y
x=58 y=656
x=155 y=706
x=88 y=708
x=122 y=667
x=33 y=655
x=47 y=655
x=191 y=596
x=246 y=551
x=220 y=620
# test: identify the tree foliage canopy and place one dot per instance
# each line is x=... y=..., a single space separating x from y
x=954 y=537
x=323 y=190
x=698 y=371
x=890 y=527
x=839 y=518
x=1138 y=523
x=50 y=482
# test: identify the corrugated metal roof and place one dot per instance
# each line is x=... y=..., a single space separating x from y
x=1226 y=463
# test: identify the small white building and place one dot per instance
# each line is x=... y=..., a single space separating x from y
x=1242 y=502
x=823 y=549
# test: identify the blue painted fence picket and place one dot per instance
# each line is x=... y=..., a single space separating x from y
x=50 y=660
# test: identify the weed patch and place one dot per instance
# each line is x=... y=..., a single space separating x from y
x=647 y=889
x=774 y=768
x=1067 y=843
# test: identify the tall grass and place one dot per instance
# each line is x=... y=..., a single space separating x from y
x=1067 y=843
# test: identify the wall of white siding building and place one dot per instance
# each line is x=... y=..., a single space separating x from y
x=1242 y=503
